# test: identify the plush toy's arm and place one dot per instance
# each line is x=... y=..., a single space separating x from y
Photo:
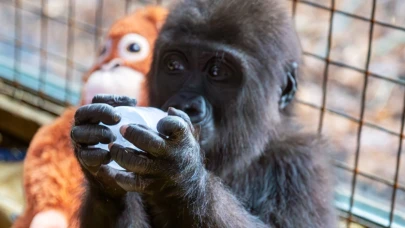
x=52 y=176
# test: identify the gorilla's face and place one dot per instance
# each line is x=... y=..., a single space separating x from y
x=201 y=81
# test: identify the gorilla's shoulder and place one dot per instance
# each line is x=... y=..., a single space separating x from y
x=298 y=146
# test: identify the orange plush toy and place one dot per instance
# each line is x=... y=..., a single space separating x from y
x=53 y=181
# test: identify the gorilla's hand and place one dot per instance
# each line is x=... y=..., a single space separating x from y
x=87 y=131
x=172 y=160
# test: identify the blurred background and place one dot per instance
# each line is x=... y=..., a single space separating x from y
x=351 y=89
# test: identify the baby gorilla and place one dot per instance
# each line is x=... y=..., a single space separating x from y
x=229 y=154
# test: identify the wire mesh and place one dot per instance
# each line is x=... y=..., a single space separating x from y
x=46 y=93
x=392 y=216
x=357 y=182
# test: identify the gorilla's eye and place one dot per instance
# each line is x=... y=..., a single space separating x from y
x=214 y=71
x=175 y=65
x=219 y=72
x=134 y=47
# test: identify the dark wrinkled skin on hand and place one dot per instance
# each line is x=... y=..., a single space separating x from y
x=172 y=159
x=167 y=159
x=86 y=132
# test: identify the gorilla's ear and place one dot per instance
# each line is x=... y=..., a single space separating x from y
x=290 y=89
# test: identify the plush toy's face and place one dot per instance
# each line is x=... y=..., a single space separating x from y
x=126 y=57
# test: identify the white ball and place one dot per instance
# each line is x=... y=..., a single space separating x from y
x=132 y=115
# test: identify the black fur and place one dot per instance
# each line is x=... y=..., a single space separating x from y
x=252 y=167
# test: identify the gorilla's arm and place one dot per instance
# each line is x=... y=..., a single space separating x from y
x=208 y=204
x=178 y=190
x=105 y=203
x=275 y=190
x=102 y=208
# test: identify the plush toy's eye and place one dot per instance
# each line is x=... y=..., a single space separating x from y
x=133 y=47
x=105 y=51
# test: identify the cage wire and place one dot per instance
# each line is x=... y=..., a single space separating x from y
x=354 y=83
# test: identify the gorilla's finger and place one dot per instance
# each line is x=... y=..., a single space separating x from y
x=176 y=112
x=114 y=100
x=106 y=176
x=96 y=113
x=93 y=158
x=132 y=182
x=176 y=128
x=144 y=138
x=135 y=161
x=92 y=134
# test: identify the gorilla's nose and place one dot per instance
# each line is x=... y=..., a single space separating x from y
x=193 y=105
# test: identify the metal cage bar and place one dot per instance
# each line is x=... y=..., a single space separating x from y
x=17 y=44
x=326 y=70
x=362 y=111
x=396 y=185
x=70 y=50
x=98 y=25
x=44 y=54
